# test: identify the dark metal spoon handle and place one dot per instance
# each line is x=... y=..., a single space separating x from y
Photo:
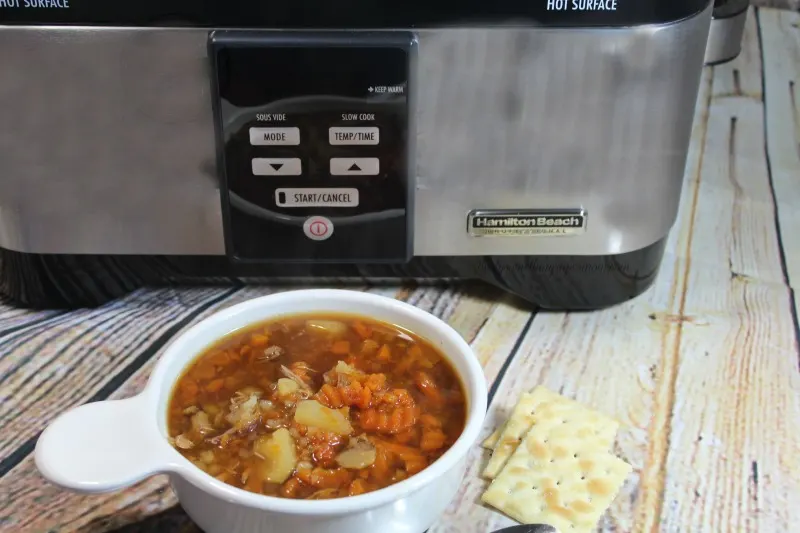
x=531 y=528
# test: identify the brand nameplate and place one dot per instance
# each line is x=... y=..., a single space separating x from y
x=526 y=223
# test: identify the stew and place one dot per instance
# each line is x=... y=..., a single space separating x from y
x=315 y=407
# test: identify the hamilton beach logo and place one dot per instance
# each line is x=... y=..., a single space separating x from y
x=526 y=223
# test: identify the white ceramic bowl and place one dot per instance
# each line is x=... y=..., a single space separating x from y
x=105 y=446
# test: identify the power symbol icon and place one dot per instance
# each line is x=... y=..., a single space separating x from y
x=318 y=228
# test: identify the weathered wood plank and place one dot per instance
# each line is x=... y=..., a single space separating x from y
x=10 y=316
x=46 y=370
x=738 y=229
x=646 y=496
x=482 y=315
x=780 y=39
x=735 y=420
x=574 y=353
x=778 y=4
x=735 y=79
x=13 y=319
x=732 y=458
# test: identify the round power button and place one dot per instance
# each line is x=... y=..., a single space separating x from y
x=318 y=228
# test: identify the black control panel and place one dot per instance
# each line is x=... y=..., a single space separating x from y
x=313 y=131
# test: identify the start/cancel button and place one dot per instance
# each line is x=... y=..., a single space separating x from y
x=308 y=197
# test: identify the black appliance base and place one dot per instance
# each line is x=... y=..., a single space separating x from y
x=549 y=282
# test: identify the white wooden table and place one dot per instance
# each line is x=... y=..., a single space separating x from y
x=703 y=368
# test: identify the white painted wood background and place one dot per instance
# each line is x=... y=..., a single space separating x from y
x=780 y=4
x=703 y=368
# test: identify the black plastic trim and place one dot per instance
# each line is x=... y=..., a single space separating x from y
x=348 y=14
x=549 y=282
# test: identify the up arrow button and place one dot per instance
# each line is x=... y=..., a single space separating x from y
x=355 y=166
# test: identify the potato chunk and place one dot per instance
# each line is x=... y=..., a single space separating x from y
x=359 y=454
x=343 y=368
x=333 y=327
x=278 y=455
x=287 y=387
x=311 y=413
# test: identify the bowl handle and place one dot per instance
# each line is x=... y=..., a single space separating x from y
x=104 y=446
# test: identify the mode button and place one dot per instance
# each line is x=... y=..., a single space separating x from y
x=274 y=136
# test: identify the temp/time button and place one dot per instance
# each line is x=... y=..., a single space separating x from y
x=340 y=136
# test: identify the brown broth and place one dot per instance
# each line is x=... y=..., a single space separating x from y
x=360 y=405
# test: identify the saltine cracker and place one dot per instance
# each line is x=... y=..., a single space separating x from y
x=526 y=413
x=561 y=474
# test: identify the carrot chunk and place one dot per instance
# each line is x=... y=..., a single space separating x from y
x=341 y=347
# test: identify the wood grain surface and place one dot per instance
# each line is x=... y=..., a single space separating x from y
x=703 y=369
x=779 y=4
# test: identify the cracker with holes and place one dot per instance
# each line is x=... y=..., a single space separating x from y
x=561 y=474
x=542 y=405
x=492 y=439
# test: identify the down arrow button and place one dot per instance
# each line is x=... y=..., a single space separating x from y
x=277 y=166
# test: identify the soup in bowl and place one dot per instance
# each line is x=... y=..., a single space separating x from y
x=313 y=410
